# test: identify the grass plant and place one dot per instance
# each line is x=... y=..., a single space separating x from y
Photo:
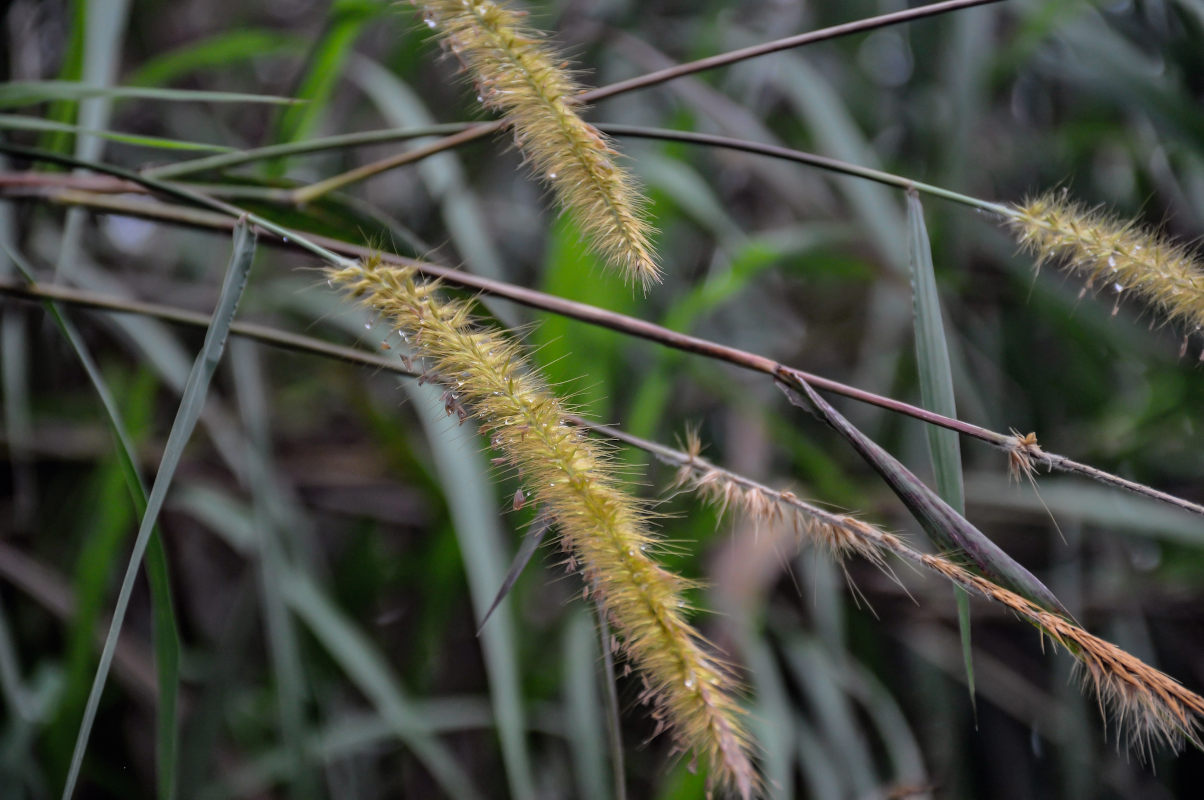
x=408 y=647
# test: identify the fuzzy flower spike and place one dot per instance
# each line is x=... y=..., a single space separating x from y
x=1113 y=254
x=518 y=74
x=604 y=530
x=1148 y=707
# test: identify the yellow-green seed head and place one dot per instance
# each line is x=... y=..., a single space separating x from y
x=1116 y=256
x=518 y=74
x=606 y=532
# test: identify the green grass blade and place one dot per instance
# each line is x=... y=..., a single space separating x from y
x=347 y=646
x=325 y=63
x=22 y=123
x=166 y=638
x=370 y=672
x=14 y=386
x=614 y=722
x=771 y=715
x=584 y=711
x=531 y=541
x=104 y=36
x=181 y=431
x=821 y=681
x=936 y=394
x=12 y=688
x=26 y=93
x=238 y=157
x=221 y=50
x=71 y=70
x=165 y=632
x=272 y=562
x=472 y=501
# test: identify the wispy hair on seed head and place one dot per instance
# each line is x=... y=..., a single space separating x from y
x=516 y=72
x=573 y=482
x=1146 y=706
x=1116 y=256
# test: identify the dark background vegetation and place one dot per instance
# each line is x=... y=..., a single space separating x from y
x=371 y=503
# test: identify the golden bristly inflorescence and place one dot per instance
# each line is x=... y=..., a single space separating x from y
x=1116 y=256
x=1147 y=706
x=518 y=74
x=572 y=482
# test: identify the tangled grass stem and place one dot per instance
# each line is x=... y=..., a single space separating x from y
x=570 y=478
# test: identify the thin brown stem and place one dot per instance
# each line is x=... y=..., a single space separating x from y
x=313 y=191
x=181 y=316
x=776 y=46
x=307 y=194
x=630 y=326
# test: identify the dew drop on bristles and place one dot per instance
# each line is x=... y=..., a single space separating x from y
x=518 y=74
x=1121 y=255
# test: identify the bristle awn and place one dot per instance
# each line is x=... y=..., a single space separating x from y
x=570 y=478
x=517 y=73
x=1116 y=256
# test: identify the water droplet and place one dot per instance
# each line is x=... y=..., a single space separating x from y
x=1116 y=287
x=367 y=326
x=430 y=22
x=285 y=238
x=1112 y=261
x=552 y=175
x=690 y=683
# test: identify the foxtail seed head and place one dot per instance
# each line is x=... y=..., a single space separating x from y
x=839 y=534
x=1115 y=256
x=1147 y=706
x=567 y=474
x=518 y=74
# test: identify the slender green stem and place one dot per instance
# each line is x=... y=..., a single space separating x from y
x=226 y=160
x=179 y=192
x=810 y=159
x=195 y=319
x=778 y=45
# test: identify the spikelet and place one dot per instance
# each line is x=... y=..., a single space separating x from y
x=569 y=477
x=518 y=74
x=839 y=534
x=1147 y=706
x=1116 y=256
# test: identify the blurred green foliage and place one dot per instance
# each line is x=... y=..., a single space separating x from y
x=357 y=511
